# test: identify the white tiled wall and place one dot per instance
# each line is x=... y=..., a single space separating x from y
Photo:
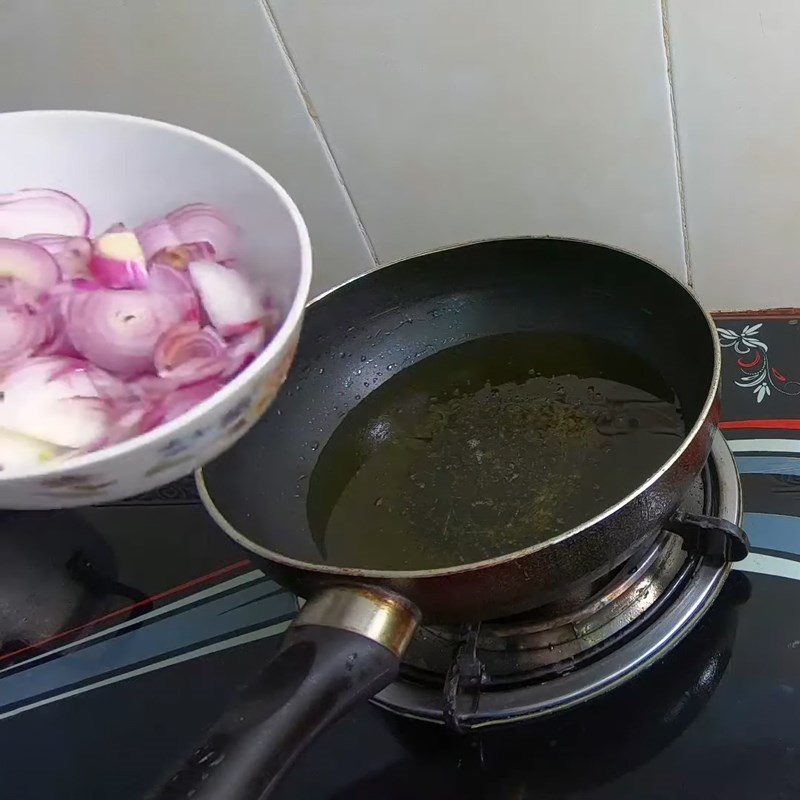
x=736 y=68
x=212 y=65
x=455 y=120
x=401 y=127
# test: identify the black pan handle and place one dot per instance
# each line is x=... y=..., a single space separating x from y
x=710 y=536
x=344 y=646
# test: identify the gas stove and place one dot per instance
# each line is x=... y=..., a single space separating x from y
x=559 y=655
x=661 y=735
x=130 y=627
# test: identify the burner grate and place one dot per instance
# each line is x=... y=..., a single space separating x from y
x=554 y=656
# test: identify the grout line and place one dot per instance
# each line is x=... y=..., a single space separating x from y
x=312 y=113
x=676 y=144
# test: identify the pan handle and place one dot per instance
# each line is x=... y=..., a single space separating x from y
x=345 y=645
x=710 y=536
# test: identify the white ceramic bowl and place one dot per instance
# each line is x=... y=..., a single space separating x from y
x=131 y=169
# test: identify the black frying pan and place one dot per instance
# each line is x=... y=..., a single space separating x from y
x=347 y=641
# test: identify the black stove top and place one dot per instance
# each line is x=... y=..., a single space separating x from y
x=125 y=629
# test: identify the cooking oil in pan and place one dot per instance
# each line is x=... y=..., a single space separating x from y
x=489 y=447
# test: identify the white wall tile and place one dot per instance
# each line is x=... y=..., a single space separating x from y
x=211 y=65
x=455 y=120
x=736 y=70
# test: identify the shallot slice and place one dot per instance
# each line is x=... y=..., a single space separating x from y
x=189 y=354
x=118 y=261
x=21 y=332
x=42 y=400
x=182 y=255
x=25 y=261
x=187 y=397
x=228 y=299
x=201 y=222
x=73 y=259
x=155 y=235
x=41 y=211
x=103 y=339
x=87 y=379
x=58 y=343
x=243 y=349
x=52 y=242
x=196 y=222
x=129 y=418
x=150 y=388
x=17 y=294
x=19 y=453
x=178 y=286
x=118 y=330
x=71 y=253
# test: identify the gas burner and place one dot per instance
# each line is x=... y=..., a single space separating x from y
x=558 y=655
x=534 y=645
x=57 y=573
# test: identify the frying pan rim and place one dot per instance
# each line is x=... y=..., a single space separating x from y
x=401 y=575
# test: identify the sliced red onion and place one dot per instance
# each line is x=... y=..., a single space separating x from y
x=181 y=256
x=123 y=410
x=201 y=222
x=19 y=453
x=85 y=378
x=66 y=288
x=42 y=401
x=228 y=299
x=118 y=261
x=21 y=332
x=118 y=330
x=41 y=211
x=196 y=222
x=189 y=354
x=243 y=349
x=174 y=403
x=71 y=253
x=130 y=418
x=17 y=294
x=56 y=341
x=73 y=260
x=71 y=374
x=24 y=261
x=52 y=242
x=155 y=235
x=178 y=285
x=187 y=397
x=103 y=341
x=58 y=344
x=76 y=422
